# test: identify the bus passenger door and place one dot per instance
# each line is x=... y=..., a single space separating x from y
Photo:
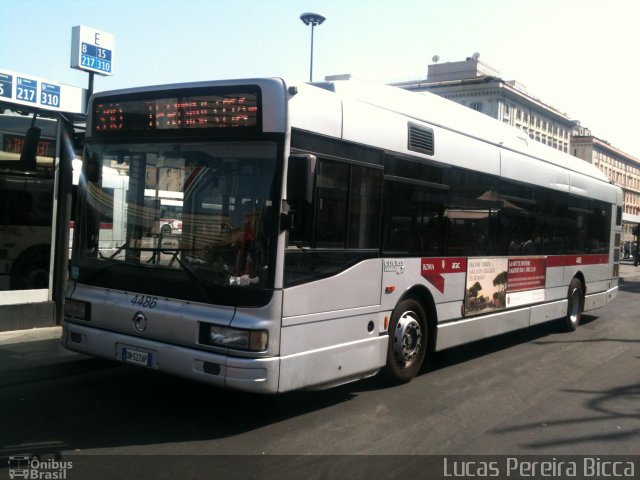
x=332 y=262
x=332 y=272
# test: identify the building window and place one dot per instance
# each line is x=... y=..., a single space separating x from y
x=477 y=106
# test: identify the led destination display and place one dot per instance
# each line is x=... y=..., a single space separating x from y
x=226 y=110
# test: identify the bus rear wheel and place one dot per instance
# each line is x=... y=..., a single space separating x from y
x=407 y=342
x=574 y=306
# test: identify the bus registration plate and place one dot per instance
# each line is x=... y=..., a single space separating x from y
x=137 y=357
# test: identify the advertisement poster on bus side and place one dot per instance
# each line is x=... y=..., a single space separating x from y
x=486 y=285
x=525 y=280
x=497 y=283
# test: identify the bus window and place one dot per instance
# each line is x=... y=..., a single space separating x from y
x=347 y=222
x=472 y=212
x=333 y=196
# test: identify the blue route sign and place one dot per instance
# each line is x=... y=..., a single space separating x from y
x=6 y=85
x=27 y=90
x=50 y=94
x=96 y=58
x=92 y=50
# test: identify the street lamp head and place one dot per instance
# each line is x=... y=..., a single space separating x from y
x=313 y=19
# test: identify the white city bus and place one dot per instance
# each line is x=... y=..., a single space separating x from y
x=329 y=231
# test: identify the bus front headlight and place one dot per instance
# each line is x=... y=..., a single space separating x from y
x=77 y=309
x=252 y=340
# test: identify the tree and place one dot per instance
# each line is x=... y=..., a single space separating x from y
x=500 y=281
x=473 y=291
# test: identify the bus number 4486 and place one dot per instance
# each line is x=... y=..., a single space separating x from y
x=145 y=301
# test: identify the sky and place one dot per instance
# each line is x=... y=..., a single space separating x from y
x=579 y=56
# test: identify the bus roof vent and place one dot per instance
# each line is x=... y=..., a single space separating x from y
x=420 y=139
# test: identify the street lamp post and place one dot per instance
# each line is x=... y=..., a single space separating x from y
x=313 y=19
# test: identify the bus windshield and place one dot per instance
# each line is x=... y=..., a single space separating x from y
x=200 y=212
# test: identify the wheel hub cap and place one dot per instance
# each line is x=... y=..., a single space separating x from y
x=407 y=339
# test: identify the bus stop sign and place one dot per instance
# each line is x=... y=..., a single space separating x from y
x=92 y=50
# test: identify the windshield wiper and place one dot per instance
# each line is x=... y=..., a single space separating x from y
x=124 y=246
x=195 y=278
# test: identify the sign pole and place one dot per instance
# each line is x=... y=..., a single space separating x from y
x=89 y=91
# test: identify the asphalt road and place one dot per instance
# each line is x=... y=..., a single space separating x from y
x=534 y=392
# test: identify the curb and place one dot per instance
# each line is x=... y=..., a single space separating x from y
x=33 y=334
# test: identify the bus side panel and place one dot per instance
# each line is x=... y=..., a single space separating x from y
x=597 y=277
x=343 y=348
x=539 y=173
x=586 y=187
x=358 y=286
x=556 y=293
x=332 y=330
x=548 y=311
x=446 y=288
x=370 y=125
x=477 y=328
x=555 y=278
x=599 y=300
x=466 y=152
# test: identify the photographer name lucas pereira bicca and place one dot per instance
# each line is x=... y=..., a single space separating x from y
x=537 y=468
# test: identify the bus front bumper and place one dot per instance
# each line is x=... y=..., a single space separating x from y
x=259 y=375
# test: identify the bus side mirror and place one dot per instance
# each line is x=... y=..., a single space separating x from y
x=300 y=177
x=30 y=149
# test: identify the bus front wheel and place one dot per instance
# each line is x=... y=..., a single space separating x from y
x=574 y=306
x=31 y=271
x=407 y=342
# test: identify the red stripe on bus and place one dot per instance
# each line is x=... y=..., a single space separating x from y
x=572 y=260
x=433 y=268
